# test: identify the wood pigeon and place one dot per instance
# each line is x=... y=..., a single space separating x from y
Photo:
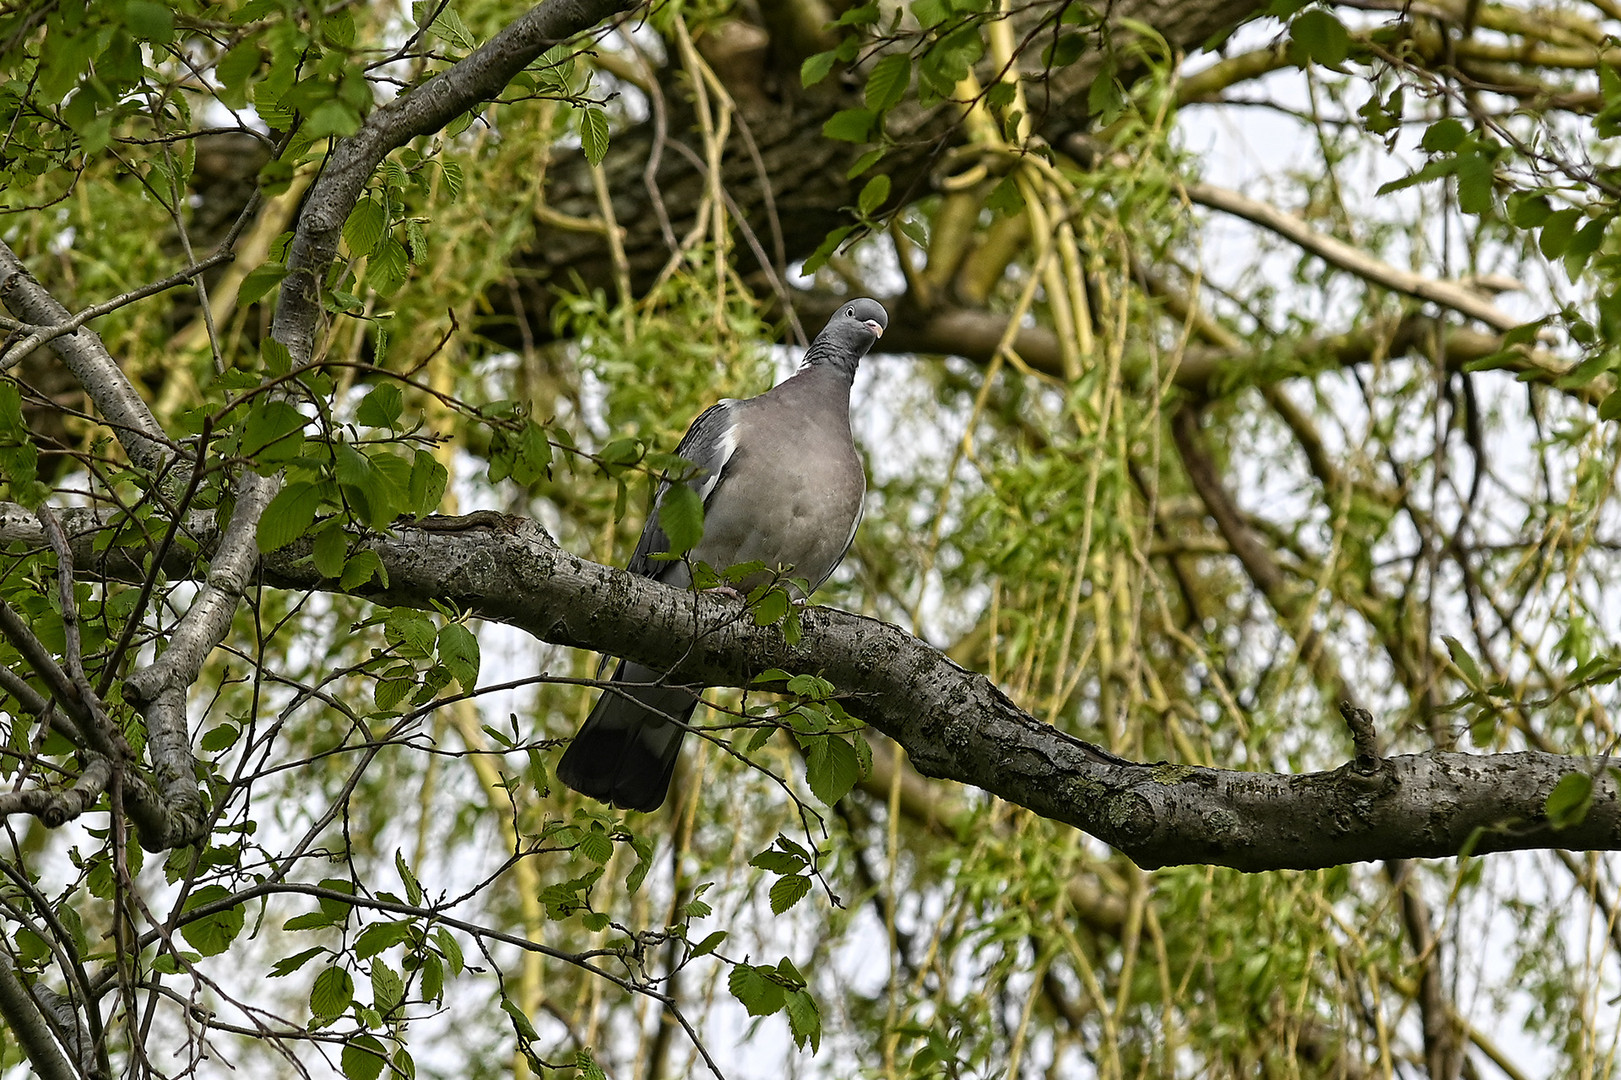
x=781 y=484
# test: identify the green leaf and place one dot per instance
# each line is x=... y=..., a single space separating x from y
x=849 y=125
x=831 y=768
x=1610 y=407
x=1528 y=209
x=805 y=1020
x=382 y=407
x=289 y=964
x=363 y=1058
x=380 y=936
x=594 y=134
x=1570 y=800
x=449 y=28
x=888 y=82
x=268 y=437
x=259 y=281
x=759 y=995
x=409 y=632
x=596 y=846
x=771 y=606
x=331 y=548
x=788 y=891
x=288 y=516
x=234 y=70
x=212 y=934
x=1465 y=662
x=367 y=223
x=1444 y=136
x=1476 y=179
x=520 y=1022
x=220 y=738
x=458 y=651
x=815 y=68
x=1433 y=170
x=873 y=194
x=681 y=516
x=388 y=266
x=428 y=480
x=148 y=21
x=1318 y=35
x=1557 y=231
x=1006 y=198
x=778 y=862
x=360 y=568
x=863 y=163
x=708 y=944
x=332 y=993
x=387 y=987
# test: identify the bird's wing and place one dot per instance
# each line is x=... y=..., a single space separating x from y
x=709 y=444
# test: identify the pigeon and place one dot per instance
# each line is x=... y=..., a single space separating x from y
x=781 y=484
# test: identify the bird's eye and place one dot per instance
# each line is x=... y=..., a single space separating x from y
x=851 y=312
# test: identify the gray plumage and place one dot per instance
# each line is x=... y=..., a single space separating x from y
x=781 y=484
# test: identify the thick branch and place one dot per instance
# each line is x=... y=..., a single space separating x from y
x=953 y=723
x=84 y=354
x=22 y=1014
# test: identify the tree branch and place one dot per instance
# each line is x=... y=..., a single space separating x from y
x=82 y=351
x=953 y=723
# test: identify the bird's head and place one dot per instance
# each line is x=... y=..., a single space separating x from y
x=852 y=330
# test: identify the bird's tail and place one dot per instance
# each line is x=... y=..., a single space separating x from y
x=625 y=752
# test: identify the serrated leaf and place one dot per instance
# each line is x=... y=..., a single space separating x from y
x=268 y=436
x=365 y=227
x=756 y=993
x=888 y=82
x=288 y=516
x=382 y=407
x=708 y=944
x=428 y=481
x=409 y=632
x=681 y=516
x=849 y=125
x=1570 y=800
x=788 y=891
x=259 y=281
x=332 y=993
x=596 y=846
x=831 y=768
x=330 y=549
x=520 y=1022
x=289 y=964
x=594 y=134
x=387 y=987
x=363 y=1058
x=220 y=738
x=212 y=934
x=804 y=1020
x=379 y=936
x=778 y=862
x=458 y=651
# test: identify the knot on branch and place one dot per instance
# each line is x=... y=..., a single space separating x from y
x=1364 y=737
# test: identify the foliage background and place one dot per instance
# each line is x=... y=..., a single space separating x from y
x=1215 y=479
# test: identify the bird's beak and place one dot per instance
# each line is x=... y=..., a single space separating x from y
x=877 y=331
